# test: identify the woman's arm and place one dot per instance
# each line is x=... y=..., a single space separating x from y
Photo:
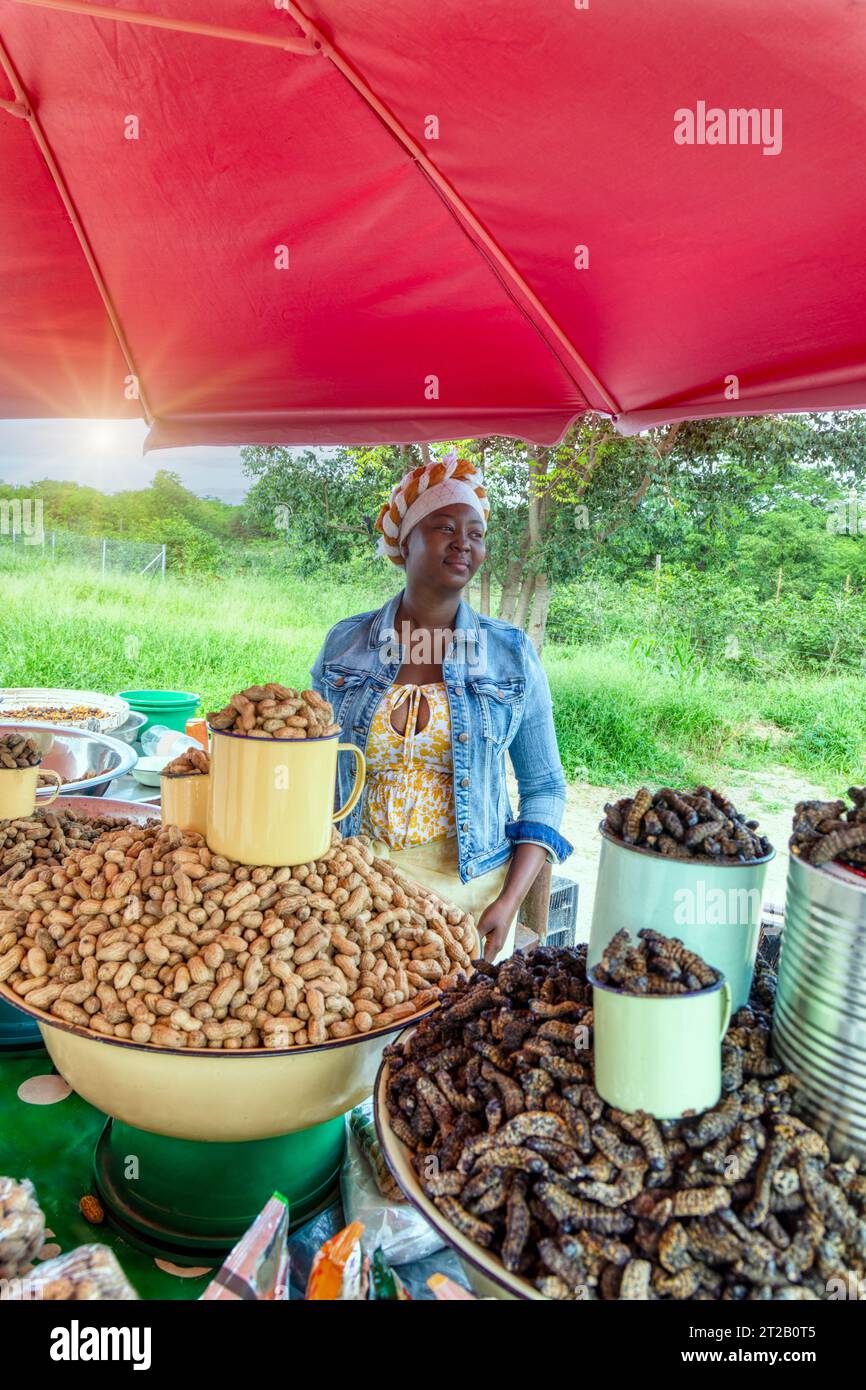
x=537 y=767
x=495 y=920
x=541 y=785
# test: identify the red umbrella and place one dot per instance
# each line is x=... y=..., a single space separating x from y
x=426 y=219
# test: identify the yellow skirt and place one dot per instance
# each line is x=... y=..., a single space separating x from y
x=435 y=865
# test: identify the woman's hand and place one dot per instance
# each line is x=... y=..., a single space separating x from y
x=495 y=921
x=493 y=926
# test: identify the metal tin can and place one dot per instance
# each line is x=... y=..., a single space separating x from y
x=820 y=1017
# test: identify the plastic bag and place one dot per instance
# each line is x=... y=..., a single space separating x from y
x=258 y=1265
x=22 y=1226
x=161 y=742
x=397 y=1227
x=89 y=1273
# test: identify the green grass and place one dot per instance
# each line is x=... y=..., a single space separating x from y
x=619 y=720
x=69 y=628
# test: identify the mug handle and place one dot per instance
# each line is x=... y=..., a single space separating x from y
x=360 y=774
x=726 y=1009
x=49 y=772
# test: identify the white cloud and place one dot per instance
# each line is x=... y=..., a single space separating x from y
x=107 y=454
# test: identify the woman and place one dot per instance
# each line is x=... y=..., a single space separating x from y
x=435 y=693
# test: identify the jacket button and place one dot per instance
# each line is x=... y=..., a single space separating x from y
x=464 y=781
x=465 y=826
x=458 y=690
x=341 y=680
x=463 y=738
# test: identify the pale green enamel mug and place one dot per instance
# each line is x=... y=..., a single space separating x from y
x=661 y=1053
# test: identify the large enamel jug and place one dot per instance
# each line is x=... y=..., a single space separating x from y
x=271 y=801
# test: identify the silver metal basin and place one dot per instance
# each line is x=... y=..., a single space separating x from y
x=128 y=732
x=87 y=762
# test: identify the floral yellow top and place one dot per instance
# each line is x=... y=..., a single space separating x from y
x=409 y=794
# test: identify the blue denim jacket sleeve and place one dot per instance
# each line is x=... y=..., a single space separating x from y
x=316 y=668
x=535 y=758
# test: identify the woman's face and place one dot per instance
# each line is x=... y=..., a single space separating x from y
x=446 y=548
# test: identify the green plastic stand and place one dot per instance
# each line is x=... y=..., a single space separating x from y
x=19 y=1033
x=186 y=1199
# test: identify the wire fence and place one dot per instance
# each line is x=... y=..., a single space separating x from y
x=102 y=553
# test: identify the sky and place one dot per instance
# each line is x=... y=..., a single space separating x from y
x=107 y=454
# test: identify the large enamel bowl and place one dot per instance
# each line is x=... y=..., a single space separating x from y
x=211 y=1094
x=485 y=1272
x=203 y=1093
x=86 y=761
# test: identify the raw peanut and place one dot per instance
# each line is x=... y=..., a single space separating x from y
x=304 y=954
x=253 y=973
x=223 y=993
x=41 y=998
x=315 y=1002
x=179 y=1018
x=343 y=1029
x=70 y=1013
x=37 y=961
x=152 y=931
x=307 y=932
x=278 y=1037
x=124 y=975
x=11 y=961
x=163 y=1035
x=213 y=955
x=230 y=1028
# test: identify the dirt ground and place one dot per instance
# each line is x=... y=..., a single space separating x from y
x=768 y=796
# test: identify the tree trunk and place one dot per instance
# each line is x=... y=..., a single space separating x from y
x=540 y=608
x=527 y=589
x=485 y=592
x=510 y=589
x=511 y=583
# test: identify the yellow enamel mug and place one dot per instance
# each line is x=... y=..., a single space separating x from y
x=18 y=791
x=271 y=800
x=183 y=801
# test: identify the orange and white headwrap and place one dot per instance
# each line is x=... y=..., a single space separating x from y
x=425 y=490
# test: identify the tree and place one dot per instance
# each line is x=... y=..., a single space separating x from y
x=686 y=490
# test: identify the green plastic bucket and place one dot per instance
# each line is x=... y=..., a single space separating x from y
x=169 y=707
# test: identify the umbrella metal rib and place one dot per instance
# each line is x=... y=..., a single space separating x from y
x=304 y=47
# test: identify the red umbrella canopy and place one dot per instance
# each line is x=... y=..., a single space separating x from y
x=356 y=222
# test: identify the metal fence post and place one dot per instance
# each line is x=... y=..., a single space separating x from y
x=104 y=545
x=163 y=559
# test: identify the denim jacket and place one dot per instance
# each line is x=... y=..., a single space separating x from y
x=499 y=699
